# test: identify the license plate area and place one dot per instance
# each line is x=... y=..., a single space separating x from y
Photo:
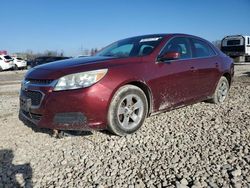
x=25 y=104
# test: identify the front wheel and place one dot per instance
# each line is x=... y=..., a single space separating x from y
x=127 y=111
x=221 y=91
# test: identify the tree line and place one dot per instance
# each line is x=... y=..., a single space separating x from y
x=29 y=54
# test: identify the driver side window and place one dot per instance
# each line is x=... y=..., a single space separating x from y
x=180 y=45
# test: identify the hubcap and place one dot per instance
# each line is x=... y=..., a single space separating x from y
x=222 y=91
x=130 y=111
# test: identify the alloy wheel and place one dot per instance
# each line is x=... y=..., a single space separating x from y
x=222 y=91
x=130 y=111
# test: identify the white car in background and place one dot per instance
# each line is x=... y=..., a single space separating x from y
x=6 y=62
x=19 y=63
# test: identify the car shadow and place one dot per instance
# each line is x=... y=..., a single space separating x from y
x=61 y=134
x=33 y=126
x=106 y=132
x=247 y=74
x=14 y=175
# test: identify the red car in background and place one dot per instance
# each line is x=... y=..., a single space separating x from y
x=124 y=83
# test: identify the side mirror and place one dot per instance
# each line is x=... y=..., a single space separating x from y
x=169 y=56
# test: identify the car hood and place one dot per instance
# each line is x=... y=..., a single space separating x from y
x=73 y=62
x=56 y=69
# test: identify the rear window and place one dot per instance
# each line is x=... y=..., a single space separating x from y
x=233 y=42
x=7 y=57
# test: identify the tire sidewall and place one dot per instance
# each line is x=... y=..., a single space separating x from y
x=216 y=96
x=15 y=67
x=113 y=122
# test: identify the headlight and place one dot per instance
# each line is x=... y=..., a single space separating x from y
x=79 y=80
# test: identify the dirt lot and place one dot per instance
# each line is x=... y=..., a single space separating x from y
x=197 y=146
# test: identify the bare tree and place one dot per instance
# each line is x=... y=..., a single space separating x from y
x=217 y=43
x=86 y=52
x=50 y=53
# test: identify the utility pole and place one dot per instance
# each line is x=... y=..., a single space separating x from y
x=81 y=49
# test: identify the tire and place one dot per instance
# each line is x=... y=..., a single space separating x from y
x=127 y=111
x=15 y=67
x=221 y=91
x=1 y=69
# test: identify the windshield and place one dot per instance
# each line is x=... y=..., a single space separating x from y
x=233 y=42
x=131 y=47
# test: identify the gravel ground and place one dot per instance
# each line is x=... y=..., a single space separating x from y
x=203 y=145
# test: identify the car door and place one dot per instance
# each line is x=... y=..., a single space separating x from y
x=174 y=80
x=206 y=63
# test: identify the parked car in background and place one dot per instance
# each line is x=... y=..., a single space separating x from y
x=6 y=62
x=19 y=63
x=125 y=82
x=43 y=60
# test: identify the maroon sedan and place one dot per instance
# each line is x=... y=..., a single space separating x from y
x=124 y=83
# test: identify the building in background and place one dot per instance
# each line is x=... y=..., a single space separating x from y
x=3 y=52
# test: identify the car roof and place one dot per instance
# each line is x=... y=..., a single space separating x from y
x=164 y=35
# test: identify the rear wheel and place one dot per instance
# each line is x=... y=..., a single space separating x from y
x=127 y=111
x=221 y=91
x=15 y=67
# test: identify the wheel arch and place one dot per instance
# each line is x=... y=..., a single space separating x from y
x=143 y=86
x=228 y=77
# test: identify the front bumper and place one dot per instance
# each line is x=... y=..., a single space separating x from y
x=81 y=109
x=21 y=65
x=6 y=66
x=235 y=54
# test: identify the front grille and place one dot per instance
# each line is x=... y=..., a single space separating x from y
x=35 y=96
x=39 y=81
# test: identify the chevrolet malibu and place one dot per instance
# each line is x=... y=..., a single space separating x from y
x=124 y=83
